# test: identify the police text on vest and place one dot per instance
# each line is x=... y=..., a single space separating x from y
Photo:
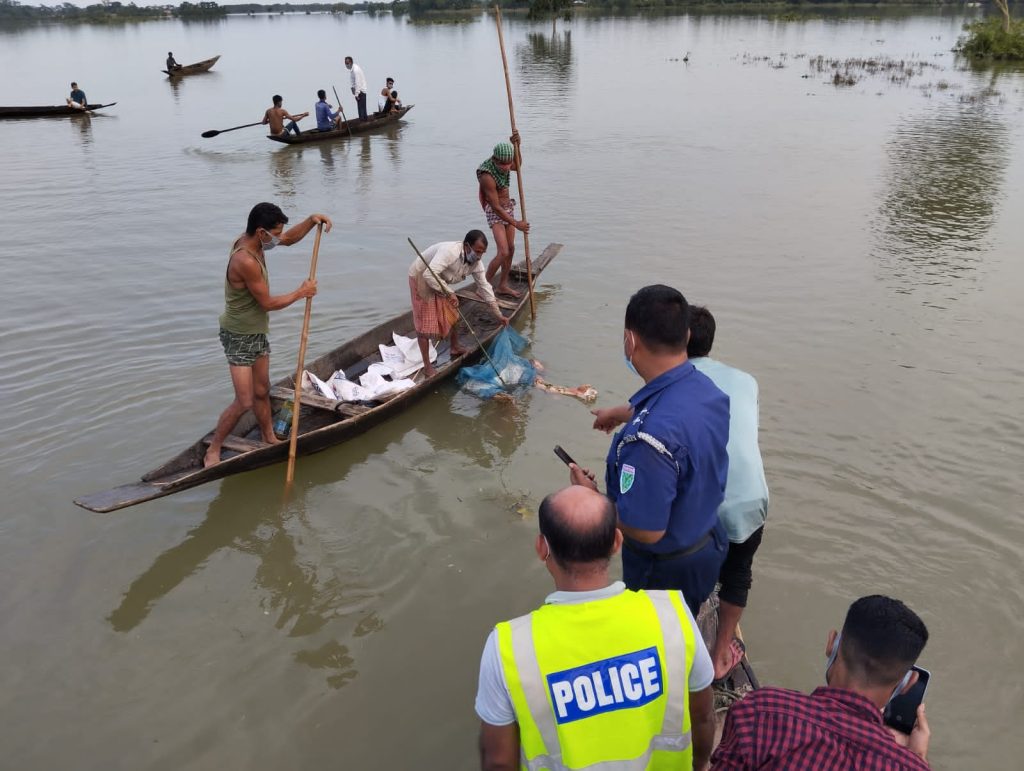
x=622 y=682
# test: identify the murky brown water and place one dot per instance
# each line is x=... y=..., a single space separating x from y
x=859 y=246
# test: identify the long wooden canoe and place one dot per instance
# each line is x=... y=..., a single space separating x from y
x=192 y=69
x=323 y=423
x=357 y=126
x=57 y=110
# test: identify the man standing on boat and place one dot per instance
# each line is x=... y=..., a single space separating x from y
x=433 y=296
x=666 y=470
x=358 y=81
x=277 y=115
x=499 y=209
x=245 y=323
x=77 y=98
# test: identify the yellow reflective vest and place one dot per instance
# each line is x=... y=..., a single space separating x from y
x=602 y=684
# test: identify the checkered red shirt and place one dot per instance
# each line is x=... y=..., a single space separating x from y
x=833 y=729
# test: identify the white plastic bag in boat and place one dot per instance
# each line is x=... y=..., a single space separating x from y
x=403 y=358
x=347 y=391
x=311 y=382
x=374 y=382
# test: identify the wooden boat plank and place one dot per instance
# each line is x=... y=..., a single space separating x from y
x=237 y=443
x=356 y=126
x=466 y=294
x=185 y=470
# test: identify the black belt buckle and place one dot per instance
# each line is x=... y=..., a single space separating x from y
x=699 y=544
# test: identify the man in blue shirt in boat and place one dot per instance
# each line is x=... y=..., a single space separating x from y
x=326 y=119
x=666 y=470
x=77 y=99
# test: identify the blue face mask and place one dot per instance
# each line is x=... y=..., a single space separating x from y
x=274 y=241
x=629 y=361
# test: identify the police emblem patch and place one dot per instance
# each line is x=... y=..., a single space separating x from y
x=626 y=478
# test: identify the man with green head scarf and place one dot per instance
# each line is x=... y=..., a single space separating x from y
x=493 y=176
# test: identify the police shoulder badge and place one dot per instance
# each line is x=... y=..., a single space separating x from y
x=626 y=478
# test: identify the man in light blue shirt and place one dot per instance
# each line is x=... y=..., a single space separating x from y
x=745 y=507
x=326 y=120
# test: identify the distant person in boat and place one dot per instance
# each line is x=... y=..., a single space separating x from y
x=389 y=86
x=358 y=81
x=326 y=119
x=434 y=303
x=245 y=323
x=597 y=676
x=493 y=176
x=392 y=103
x=745 y=507
x=172 y=65
x=666 y=469
x=839 y=726
x=77 y=99
x=277 y=115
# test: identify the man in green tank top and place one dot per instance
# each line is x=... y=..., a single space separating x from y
x=244 y=323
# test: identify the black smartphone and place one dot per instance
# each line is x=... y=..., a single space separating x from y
x=563 y=455
x=901 y=711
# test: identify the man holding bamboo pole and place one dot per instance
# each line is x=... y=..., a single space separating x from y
x=499 y=209
x=245 y=321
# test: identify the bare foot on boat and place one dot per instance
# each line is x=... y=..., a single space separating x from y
x=428 y=371
x=456 y=352
x=727 y=660
x=508 y=291
x=212 y=457
x=272 y=440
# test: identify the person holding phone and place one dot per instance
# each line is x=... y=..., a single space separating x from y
x=840 y=726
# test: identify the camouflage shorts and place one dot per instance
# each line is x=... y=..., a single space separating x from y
x=243 y=350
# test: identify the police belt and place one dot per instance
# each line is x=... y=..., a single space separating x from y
x=701 y=542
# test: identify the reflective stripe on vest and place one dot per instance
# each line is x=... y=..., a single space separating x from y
x=534 y=693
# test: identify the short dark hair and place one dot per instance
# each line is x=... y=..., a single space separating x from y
x=389 y=80
x=882 y=639
x=349 y=59
x=575 y=546
x=277 y=99
x=473 y=236
x=394 y=94
x=702 y=332
x=265 y=215
x=170 y=53
x=73 y=84
x=321 y=94
x=659 y=315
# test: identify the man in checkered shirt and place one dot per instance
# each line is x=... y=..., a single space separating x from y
x=838 y=727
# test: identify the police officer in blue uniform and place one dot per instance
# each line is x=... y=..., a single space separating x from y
x=666 y=468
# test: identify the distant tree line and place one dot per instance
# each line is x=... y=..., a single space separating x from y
x=14 y=11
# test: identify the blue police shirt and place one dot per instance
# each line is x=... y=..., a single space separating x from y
x=666 y=469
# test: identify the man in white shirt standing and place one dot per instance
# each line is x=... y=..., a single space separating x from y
x=597 y=675
x=434 y=302
x=358 y=83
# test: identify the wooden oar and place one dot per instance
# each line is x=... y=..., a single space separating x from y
x=213 y=133
x=342 y=111
x=297 y=392
x=449 y=295
x=519 y=163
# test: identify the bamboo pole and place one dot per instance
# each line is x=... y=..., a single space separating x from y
x=293 y=441
x=519 y=162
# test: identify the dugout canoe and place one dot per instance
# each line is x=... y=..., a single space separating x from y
x=323 y=423
x=57 y=110
x=192 y=69
x=357 y=125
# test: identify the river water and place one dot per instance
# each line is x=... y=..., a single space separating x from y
x=857 y=245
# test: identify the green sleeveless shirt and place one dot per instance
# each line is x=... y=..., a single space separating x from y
x=242 y=314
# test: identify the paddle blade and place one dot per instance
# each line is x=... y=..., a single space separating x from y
x=208 y=134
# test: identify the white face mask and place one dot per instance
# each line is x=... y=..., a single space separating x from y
x=274 y=241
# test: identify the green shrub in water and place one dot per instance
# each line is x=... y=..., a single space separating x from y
x=989 y=39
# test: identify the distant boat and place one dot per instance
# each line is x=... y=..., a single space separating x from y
x=356 y=126
x=55 y=110
x=192 y=69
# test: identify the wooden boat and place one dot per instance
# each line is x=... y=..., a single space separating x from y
x=357 y=126
x=323 y=423
x=192 y=69
x=57 y=110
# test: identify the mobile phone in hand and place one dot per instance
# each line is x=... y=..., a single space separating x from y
x=563 y=455
x=901 y=711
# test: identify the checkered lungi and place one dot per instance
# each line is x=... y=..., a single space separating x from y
x=243 y=350
x=493 y=219
x=428 y=315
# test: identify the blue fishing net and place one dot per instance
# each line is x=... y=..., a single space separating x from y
x=482 y=380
